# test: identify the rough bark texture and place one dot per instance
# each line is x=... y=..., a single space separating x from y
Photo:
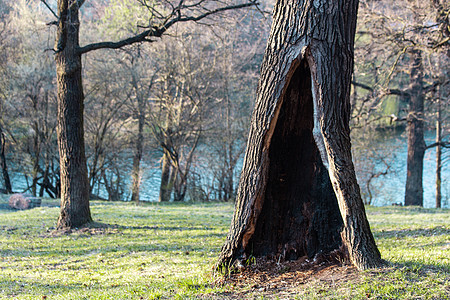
x=75 y=209
x=298 y=158
x=416 y=141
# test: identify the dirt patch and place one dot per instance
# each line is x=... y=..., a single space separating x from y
x=273 y=280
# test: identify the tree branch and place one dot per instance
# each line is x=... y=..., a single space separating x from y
x=397 y=92
x=435 y=84
x=142 y=37
x=442 y=144
x=384 y=92
x=363 y=86
x=158 y=31
x=51 y=10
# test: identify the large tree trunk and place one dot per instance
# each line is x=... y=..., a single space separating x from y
x=416 y=141
x=298 y=187
x=75 y=209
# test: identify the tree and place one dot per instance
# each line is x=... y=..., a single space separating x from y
x=3 y=164
x=404 y=43
x=416 y=140
x=179 y=111
x=106 y=116
x=141 y=89
x=28 y=98
x=298 y=172
x=4 y=9
x=238 y=55
x=75 y=210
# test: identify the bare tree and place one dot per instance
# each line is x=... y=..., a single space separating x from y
x=75 y=209
x=238 y=55
x=400 y=41
x=177 y=120
x=4 y=50
x=30 y=99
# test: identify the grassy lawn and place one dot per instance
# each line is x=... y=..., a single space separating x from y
x=167 y=251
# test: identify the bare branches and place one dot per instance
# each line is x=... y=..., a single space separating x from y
x=441 y=144
x=156 y=31
x=362 y=85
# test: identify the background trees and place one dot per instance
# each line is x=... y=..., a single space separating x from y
x=212 y=70
x=396 y=79
x=74 y=180
x=29 y=100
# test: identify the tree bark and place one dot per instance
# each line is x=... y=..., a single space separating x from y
x=298 y=186
x=416 y=141
x=75 y=209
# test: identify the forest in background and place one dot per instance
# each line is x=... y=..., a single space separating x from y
x=180 y=106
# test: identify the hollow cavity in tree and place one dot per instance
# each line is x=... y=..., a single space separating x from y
x=299 y=214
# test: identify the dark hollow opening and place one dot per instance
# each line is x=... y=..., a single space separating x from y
x=300 y=214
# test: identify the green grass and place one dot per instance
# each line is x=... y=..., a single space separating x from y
x=415 y=242
x=148 y=251
x=168 y=251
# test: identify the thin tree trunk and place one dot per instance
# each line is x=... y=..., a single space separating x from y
x=416 y=141
x=228 y=185
x=298 y=165
x=3 y=163
x=75 y=209
x=136 y=179
x=438 y=155
x=141 y=109
x=36 y=157
x=165 y=189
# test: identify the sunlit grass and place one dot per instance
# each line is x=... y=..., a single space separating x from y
x=168 y=251
x=415 y=242
x=145 y=251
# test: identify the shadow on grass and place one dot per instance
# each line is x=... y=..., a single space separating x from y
x=438 y=230
x=98 y=227
x=415 y=267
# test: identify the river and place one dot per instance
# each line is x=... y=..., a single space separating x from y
x=385 y=189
